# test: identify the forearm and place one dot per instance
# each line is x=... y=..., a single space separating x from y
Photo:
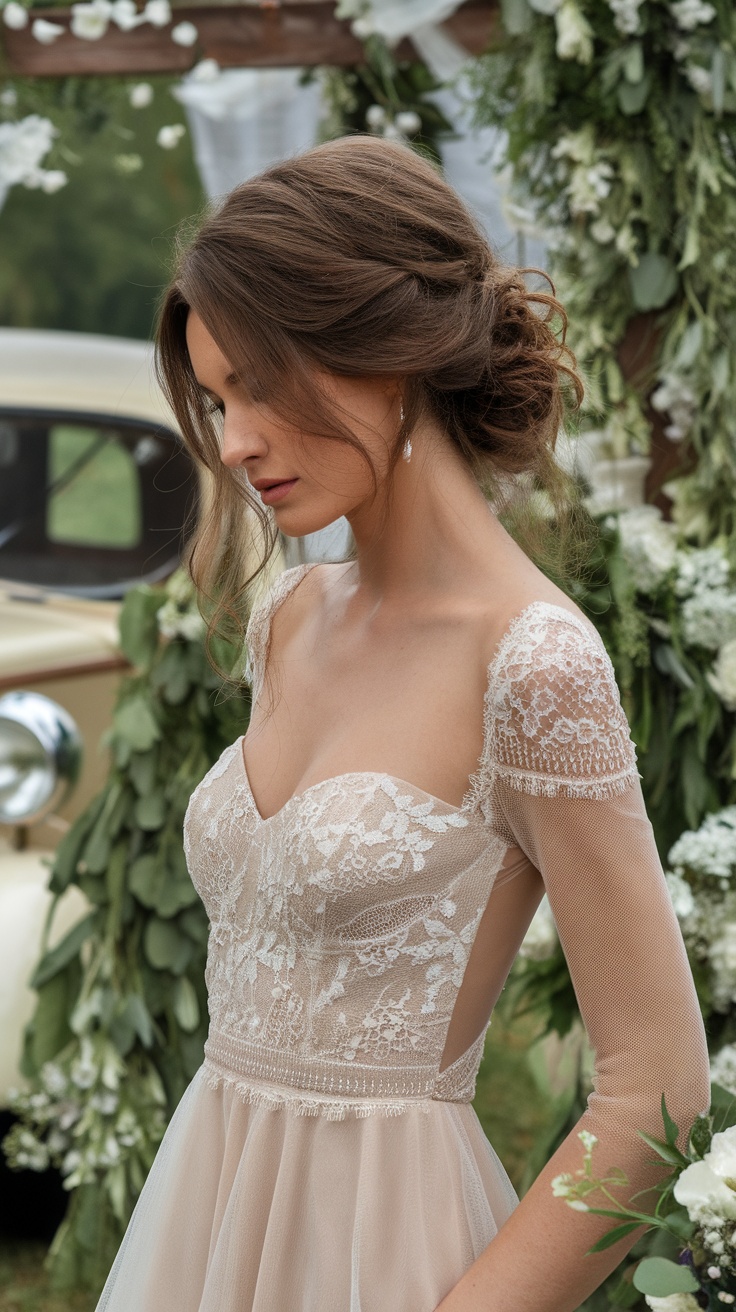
x=538 y=1261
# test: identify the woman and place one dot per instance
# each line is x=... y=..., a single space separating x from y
x=436 y=738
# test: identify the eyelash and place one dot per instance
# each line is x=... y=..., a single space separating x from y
x=216 y=408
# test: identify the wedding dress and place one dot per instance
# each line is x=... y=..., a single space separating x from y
x=320 y=1160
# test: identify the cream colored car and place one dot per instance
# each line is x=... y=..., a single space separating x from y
x=94 y=491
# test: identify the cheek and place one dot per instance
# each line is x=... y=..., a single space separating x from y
x=338 y=468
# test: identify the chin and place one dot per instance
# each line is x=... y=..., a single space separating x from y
x=298 y=523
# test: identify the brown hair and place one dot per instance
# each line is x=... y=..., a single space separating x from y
x=358 y=258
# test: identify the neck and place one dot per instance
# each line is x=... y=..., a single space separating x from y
x=430 y=523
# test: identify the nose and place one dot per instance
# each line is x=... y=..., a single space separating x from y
x=241 y=440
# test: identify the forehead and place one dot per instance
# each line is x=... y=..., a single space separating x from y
x=208 y=361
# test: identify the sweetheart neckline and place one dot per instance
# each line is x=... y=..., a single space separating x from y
x=335 y=778
x=474 y=780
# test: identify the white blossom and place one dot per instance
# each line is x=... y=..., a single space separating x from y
x=722 y=678
x=689 y=14
x=723 y=1068
x=375 y=117
x=9 y=98
x=158 y=12
x=722 y=956
x=140 y=95
x=125 y=15
x=700 y=79
x=22 y=147
x=626 y=15
x=207 y=70
x=673 y=1303
x=541 y=938
x=709 y=851
x=49 y=180
x=602 y=231
x=91 y=21
x=701 y=569
x=574 y=33
x=702 y=1187
x=408 y=122
x=648 y=545
x=15 y=16
x=683 y=900
x=46 y=32
x=545 y=6
x=169 y=136
x=184 y=34
x=678 y=399
x=709 y=618
x=53 y=1078
x=127 y=164
x=176 y=623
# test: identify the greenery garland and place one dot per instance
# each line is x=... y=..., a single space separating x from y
x=620 y=123
x=121 y=1015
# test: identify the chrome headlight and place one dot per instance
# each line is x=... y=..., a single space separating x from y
x=40 y=756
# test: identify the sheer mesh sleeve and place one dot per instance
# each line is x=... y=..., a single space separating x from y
x=258 y=631
x=561 y=782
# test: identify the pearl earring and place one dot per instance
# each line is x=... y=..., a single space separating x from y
x=407 y=445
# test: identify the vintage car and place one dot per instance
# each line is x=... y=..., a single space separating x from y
x=95 y=490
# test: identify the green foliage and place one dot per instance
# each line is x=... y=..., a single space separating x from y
x=95 y=256
x=622 y=146
x=120 y=1019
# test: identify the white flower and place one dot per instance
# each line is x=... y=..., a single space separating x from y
x=700 y=79
x=127 y=164
x=125 y=15
x=681 y=894
x=207 y=70
x=602 y=231
x=673 y=1303
x=689 y=14
x=648 y=545
x=50 y=180
x=362 y=27
x=9 y=98
x=701 y=569
x=574 y=33
x=375 y=116
x=541 y=938
x=184 y=34
x=15 y=16
x=53 y=1078
x=723 y=1068
x=175 y=623
x=46 y=32
x=168 y=137
x=709 y=850
x=158 y=13
x=675 y=396
x=91 y=21
x=23 y=146
x=722 y=677
x=723 y=964
x=545 y=6
x=702 y=1188
x=140 y=95
x=626 y=15
x=408 y=122
x=709 y=618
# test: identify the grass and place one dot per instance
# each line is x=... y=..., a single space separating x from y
x=509 y=1105
x=100 y=506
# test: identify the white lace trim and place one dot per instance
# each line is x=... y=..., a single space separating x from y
x=258 y=630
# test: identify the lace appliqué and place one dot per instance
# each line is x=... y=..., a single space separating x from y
x=553 y=720
x=257 y=633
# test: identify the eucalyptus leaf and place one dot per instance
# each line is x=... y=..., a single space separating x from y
x=660 y=1277
x=632 y=97
x=139 y=635
x=62 y=954
x=185 y=1004
x=150 y=811
x=653 y=282
x=612 y=1236
x=136 y=723
x=165 y=947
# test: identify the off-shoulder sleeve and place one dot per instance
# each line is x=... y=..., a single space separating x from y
x=560 y=780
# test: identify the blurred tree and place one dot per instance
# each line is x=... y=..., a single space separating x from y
x=95 y=256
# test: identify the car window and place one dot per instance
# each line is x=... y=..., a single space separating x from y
x=97 y=500
x=90 y=505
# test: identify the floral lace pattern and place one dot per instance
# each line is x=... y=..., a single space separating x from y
x=341 y=926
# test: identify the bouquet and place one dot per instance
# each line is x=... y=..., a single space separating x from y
x=696 y=1208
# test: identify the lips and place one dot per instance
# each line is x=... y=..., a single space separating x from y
x=272 y=490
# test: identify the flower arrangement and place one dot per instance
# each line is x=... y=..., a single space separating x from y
x=695 y=1213
x=120 y=1018
x=619 y=118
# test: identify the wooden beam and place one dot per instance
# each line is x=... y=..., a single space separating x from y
x=295 y=33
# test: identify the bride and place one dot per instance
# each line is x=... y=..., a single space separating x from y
x=436 y=740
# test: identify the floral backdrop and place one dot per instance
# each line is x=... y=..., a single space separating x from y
x=619 y=128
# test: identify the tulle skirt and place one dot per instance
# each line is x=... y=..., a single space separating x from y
x=251 y=1208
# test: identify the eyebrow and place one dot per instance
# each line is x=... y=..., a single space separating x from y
x=232 y=380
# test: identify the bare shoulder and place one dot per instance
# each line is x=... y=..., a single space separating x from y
x=303 y=601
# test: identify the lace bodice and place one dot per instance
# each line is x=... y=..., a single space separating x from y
x=342 y=926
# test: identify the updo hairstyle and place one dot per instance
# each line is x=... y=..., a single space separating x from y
x=356 y=256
